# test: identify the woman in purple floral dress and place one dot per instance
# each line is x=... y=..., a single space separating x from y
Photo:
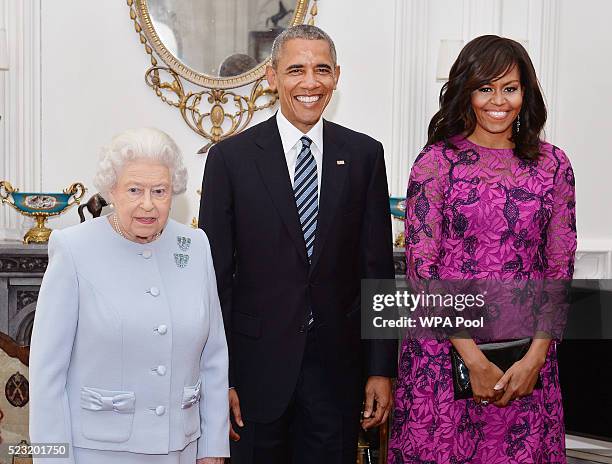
x=487 y=199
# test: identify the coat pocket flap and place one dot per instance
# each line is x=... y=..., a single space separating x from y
x=191 y=395
x=98 y=399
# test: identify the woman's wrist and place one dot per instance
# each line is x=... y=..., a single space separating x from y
x=470 y=353
x=476 y=360
x=536 y=356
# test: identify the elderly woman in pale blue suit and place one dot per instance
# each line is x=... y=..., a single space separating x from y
x=128 y=360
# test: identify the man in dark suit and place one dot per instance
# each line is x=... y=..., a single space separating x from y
x=296 y=210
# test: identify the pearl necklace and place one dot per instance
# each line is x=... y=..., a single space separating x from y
x=117 y=228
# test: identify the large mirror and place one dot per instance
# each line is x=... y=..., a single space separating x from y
x=217 y=45
x=220 y=38
x=212 y=42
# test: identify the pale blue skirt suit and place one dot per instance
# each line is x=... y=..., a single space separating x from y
x=128 y=359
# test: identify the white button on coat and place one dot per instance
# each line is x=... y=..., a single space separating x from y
x=160 y=410
x=154 y=291
x=161 y=370
x=162 y=329
x=146 y=254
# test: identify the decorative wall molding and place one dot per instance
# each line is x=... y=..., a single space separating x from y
x=480 y=17
x=593 y=265
x=544 y=23
x=594 y=259
x=591 y=262
x=549 y=59
x=21 y=114
x=409 y=129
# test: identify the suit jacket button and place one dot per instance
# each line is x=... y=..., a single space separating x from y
x=154 y=291
x=146 y=254
x=160 y=410
x=161 y=370
x=162 y=329
x=303 y=328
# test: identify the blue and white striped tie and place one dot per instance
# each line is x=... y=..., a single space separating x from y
x=305 y=189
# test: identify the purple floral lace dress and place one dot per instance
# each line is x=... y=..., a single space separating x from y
x=481 y=213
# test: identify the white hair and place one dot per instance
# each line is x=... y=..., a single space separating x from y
x=136 y=144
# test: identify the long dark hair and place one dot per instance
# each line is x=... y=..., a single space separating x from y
x=482 y=61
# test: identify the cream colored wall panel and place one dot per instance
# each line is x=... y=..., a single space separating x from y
x=364 y=37
x=21 y=117
x=583 y=106
x=513 y=20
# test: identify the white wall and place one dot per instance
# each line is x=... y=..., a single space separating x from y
x=583 y=109
x=91 y=86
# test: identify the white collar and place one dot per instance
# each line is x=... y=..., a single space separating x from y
x=291 y=135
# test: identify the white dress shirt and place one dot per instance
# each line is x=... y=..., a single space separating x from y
x=291 y=135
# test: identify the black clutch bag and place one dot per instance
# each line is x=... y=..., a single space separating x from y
x=502 y=354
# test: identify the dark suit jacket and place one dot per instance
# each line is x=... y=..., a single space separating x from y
x=266 y=285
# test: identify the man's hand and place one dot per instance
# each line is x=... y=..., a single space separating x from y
x=234 y=404
x=378 y=401
x=210 y=461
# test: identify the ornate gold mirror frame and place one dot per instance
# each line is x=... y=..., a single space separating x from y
x=216 y=112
